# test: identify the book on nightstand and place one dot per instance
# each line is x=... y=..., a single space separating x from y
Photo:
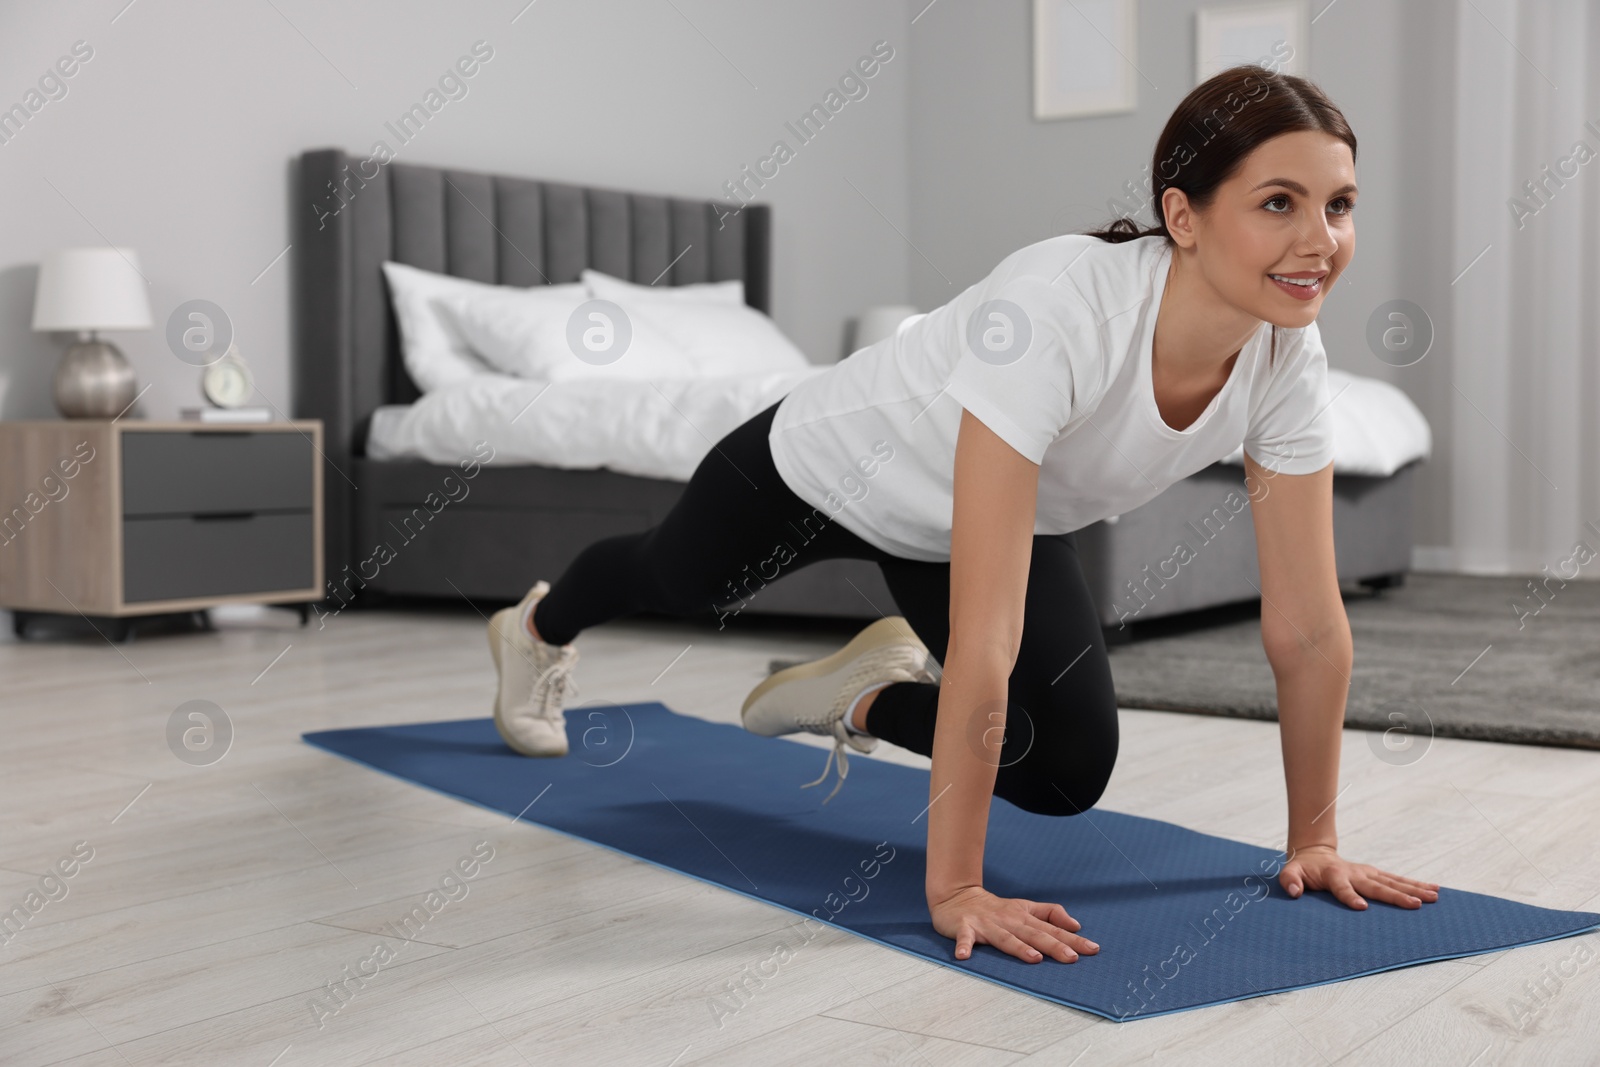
x=226 y=415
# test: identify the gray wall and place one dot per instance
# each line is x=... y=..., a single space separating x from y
x=986 y=178
x=176 y=137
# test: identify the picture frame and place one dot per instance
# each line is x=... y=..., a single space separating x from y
x=1084 y=58
x=1272 y=35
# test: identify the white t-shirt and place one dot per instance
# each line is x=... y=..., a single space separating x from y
x=1064 y=377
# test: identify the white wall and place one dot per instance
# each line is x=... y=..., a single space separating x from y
x=176 y=137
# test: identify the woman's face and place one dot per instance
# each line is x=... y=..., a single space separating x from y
x=1286 y=212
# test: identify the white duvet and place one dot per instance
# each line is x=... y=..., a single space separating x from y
x=656 y=429
x=662 y=429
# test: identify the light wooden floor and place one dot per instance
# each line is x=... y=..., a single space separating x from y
x=220 y=899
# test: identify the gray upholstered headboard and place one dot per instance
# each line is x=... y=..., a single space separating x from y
x=352 y=214
x=504 y=230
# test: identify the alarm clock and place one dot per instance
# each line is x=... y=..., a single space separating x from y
x=227 y=383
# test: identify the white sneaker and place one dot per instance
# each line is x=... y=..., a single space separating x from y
x=534 y=677
x=814 y=696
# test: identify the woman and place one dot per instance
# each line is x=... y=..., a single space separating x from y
x=1083 y=376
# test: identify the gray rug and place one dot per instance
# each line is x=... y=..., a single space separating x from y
x=1537 y=683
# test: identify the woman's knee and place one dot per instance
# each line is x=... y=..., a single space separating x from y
x=668 y=574
x=684 y=595
x=1067 y=765
x=1061 y=791
x=1074 y=795
x=723 y=591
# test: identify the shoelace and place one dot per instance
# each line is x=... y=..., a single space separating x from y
x=838 y=750
x=910 y=667
x=552 y=686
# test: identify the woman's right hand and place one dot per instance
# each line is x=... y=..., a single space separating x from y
x=1027 y=929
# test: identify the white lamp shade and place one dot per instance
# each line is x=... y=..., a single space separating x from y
x=91 y=289
x=879 y=322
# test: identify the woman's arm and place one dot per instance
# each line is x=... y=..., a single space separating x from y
x=1306 y=635
x=991 y=546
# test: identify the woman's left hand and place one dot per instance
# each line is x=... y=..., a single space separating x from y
x=1321 y=867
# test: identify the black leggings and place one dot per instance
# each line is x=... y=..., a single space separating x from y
x=738 y=520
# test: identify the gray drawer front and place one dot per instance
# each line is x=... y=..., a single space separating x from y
x=178 y=473
x=180 y=557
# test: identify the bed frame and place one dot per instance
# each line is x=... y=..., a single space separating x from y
x=517 y=524
x=528 y=522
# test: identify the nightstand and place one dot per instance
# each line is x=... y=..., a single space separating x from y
x=113 y=519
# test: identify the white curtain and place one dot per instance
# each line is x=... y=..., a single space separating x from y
x=1524 y=362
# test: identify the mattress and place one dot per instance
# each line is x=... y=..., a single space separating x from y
x=662 y=429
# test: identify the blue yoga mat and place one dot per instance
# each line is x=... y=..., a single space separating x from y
x=1183 y=919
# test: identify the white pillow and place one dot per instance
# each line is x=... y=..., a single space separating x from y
x=729 y=292
x=531 y=333
x=721 y=336
x=433 y=350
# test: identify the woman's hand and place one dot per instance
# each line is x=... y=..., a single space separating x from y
x=1026 y=929
x=1321 y=867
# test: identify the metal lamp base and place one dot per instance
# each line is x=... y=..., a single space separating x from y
x=94 y=381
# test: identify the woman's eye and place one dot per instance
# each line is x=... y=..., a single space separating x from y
x=1349 y=205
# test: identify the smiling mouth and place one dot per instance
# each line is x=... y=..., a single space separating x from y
x=1300 y=288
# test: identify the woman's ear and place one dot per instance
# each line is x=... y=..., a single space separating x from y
x=1180 y=217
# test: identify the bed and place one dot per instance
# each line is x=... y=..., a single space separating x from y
x=520 y=522
x=389 y=450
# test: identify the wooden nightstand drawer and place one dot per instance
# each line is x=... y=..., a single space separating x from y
x=180 y=557
x=178 y=473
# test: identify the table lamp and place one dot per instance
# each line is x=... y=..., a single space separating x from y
x=876 y=323
x=84 y=290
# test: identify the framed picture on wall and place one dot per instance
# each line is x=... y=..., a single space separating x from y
x=1274 y=36
x=1084 y=58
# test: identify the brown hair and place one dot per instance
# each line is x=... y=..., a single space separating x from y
x=1216 y=126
